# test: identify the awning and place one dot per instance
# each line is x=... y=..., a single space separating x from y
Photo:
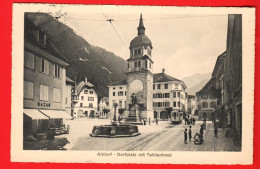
x=34 y=114
x=56 y=114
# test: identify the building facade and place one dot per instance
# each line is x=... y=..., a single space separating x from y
x=67 y=94
x=206 y=101
x=103 y=107
x=218 y=74
x=44 y=81
x=191 y=104
x=85 y=100
x=233 y=75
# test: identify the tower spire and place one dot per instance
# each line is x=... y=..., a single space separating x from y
x=141 y=28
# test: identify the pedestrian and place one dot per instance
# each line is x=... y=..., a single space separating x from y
x=156 y=121
x=185 y=136
x=149 y=121
x=144 y=122
x=216 y=130
x=185 y=120
x=190 y=133
x=201 y=132
x=194 y=121
x=68 y=129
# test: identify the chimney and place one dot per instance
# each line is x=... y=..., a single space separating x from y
x=163 y=70
x=86 y=80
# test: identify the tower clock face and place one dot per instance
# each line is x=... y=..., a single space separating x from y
x=137 y=88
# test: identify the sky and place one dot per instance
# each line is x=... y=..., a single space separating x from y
x=182 y=44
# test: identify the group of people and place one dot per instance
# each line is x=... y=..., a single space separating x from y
x=149 y=121
x=197 y=137
x=189 y=120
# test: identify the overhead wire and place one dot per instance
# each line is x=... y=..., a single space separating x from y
x=122 y=20
x=114 y=29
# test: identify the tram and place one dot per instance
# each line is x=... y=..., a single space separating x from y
x=176 y=116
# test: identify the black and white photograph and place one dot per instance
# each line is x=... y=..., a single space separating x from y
x=133 y=82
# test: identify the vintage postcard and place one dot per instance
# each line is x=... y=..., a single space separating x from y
x=132 y=84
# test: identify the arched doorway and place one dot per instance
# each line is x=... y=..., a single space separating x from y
x=164 y=115
x=155 y=114
x=80 y=113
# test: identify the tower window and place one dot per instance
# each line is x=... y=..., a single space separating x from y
x=149 y=52
x=150 y=65
x=138 y=51
x=135 y=64
x=139 y=63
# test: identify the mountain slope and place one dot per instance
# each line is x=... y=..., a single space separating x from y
x=196 y=82
x=101 y=67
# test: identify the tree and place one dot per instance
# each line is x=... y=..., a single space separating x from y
x=169 y=110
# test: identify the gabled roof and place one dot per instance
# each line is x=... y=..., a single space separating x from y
x=157 y=78
x=162 y=77
x=30 y=36
x=219 y=63
x=208 y=86
x=82 y=84
x=68 y=80
x=119 y=83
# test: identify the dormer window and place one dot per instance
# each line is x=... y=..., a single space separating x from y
x=42 y=38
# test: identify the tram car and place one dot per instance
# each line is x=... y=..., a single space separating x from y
x=176 y=117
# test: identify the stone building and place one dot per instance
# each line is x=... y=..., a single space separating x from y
x=233 y=74
x=103 y=106
x=67 y=95
x=44 y=81
x=85 y=100
x=218 y=74
x=206 y=101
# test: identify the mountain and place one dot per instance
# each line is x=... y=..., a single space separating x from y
x=196 y=82
x=101 y=67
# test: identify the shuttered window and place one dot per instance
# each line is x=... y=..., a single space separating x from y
x=44 y=67
x=44 y=92
x=28 y=89
x=29 y=60
x=56 y=95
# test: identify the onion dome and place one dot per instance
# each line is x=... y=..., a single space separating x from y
x=141 y=39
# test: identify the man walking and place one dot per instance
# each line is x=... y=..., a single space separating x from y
x=216 y=129
x=201 y=132
x=185 y=136
x=190 y=133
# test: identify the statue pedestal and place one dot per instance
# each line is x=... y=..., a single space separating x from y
x=133 y=116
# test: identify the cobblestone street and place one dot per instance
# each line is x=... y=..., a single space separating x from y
x=162 y=137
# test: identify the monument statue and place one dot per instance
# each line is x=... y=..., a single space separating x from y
x=134 y=99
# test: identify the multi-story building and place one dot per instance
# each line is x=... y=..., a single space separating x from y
x=218 y=74
x=191 y=106
x=67 y=94
x=85 y=100
x=44 y=81
x=103 y=106
x=206 y=101
x=233 y=75
x=167 y=92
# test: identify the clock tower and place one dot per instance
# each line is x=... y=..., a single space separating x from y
x=140 y=77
